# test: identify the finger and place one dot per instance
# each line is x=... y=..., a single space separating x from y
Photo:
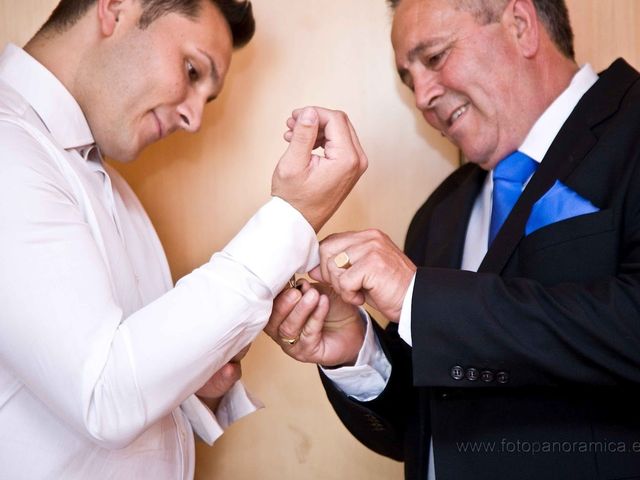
x=321 y=287
x=312 y=329
x=232 y=372
x=291 y=123
x=288 y=135
x=291 y=326
x=302 y=142
x=316 y=274
x=303 y=285
x=283 y=305
x=320 y=141
x=335 y=244
x=364 y=162
x=221 y=381
x=350 y=283
x=354 y=140
x=333 y=123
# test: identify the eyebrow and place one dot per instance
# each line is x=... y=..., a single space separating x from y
x=419 y=50
x=215 y=75
x=422 y=46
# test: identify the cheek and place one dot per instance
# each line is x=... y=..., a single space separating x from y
x=171 y=89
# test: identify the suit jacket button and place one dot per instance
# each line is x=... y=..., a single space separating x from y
x=472 y=374
x=486 y=376
x=457 y=372
x=502 y=377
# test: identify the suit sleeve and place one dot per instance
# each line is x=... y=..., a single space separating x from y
x=565 y=311
x=380 y=424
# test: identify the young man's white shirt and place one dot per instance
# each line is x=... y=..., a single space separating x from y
x=99 y=354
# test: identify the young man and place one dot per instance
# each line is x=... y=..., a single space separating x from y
x=518 y=297
x=99 y=355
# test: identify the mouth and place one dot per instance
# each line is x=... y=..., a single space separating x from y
x=457 y=114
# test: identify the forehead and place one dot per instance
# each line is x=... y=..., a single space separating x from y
x=208 y=33
x=426 y=22
x=215 y=30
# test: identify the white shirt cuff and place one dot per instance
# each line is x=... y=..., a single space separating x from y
x=404 y=325
x=235 y=404
x=278 y=223
x=369 y=376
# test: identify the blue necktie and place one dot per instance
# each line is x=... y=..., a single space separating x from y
x=509 y=177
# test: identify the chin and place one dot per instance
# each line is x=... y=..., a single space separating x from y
x=479 y=158
x=123 y=154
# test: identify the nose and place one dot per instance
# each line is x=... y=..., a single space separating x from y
x=427 y=89
x=190 y=112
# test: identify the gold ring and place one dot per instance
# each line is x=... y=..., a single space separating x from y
x=342 y=260
x=290 y=341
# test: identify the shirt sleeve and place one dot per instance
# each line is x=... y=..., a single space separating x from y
x=236 y=403
x=64 y=334
x=404 y=325
x=369 y=376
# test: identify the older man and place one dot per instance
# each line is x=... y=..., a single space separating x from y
x=518 y=296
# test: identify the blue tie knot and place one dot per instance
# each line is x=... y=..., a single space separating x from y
x=508 y=179
x=516 y=167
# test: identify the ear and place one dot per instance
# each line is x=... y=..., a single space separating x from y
x=523 y=21
x=109 y=12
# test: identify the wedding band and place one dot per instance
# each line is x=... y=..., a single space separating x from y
x=290 y=341
x=342 y=260
x=292 y=281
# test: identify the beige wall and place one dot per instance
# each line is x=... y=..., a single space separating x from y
x=200 y=189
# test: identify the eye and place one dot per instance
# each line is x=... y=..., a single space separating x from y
x=192 y=72
x=435 y=60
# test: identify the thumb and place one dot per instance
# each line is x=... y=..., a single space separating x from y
x=305 y=133
x=316 y=274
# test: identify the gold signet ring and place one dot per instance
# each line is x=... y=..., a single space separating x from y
x=342 y=260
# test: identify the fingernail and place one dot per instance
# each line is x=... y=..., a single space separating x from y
x=310 y=297
x=293 y=295
x=308 y=117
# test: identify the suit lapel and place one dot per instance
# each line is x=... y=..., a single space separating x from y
x=574 y=141
x=450 y=218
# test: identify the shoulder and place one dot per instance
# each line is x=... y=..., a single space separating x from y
x=11 y=102
x=27 y=168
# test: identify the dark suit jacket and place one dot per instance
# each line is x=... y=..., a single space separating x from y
x=530 y=368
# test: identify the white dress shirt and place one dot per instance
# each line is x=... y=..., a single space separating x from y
x=375 y=374
x=99 y=355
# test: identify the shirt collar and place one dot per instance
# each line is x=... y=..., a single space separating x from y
x=546 y=128
x=50 y=99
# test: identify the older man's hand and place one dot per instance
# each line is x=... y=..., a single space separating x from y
x=366 y=267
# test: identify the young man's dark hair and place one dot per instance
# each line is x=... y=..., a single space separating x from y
x=238 y=14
